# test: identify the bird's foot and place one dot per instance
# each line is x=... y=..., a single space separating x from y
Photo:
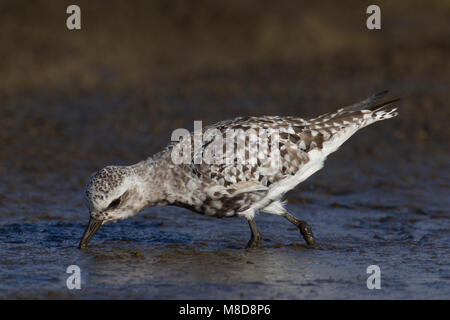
x=254 y=241
x=307 y=233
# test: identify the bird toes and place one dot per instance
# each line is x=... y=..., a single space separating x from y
x=306 y=232
x=254 y=241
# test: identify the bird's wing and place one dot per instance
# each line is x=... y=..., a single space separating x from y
x=238 y=153
x=229 y=157
x=366 y=104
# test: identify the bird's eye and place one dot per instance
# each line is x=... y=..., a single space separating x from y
x=114 y=204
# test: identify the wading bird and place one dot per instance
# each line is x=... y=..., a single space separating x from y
x=231 y=188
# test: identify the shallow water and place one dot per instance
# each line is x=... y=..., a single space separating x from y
x=171 y=253
x=382 y=199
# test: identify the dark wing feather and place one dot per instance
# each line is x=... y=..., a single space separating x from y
x=367 y=103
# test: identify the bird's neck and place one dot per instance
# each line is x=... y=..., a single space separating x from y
x=157 y=181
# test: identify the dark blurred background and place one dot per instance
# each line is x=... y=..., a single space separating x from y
x=112 y=92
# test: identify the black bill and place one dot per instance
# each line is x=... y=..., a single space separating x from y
x=91 y=229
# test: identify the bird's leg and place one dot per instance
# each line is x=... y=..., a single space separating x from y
x=305 y=229
x=256 y=236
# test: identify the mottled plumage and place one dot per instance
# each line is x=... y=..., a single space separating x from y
x=246 y=184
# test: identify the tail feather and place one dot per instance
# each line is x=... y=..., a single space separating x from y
x=382 y=106
x=367 y=103
x=384 y=110
x=362 y=106
x=350 y=119
x=340 y=126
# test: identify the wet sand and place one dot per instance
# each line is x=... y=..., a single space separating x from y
x=170 y=253
x=382 y=207
x=382 y=199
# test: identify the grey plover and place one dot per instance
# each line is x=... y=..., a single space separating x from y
x=231 y=188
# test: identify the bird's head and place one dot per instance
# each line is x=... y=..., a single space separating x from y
x=112 y=194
